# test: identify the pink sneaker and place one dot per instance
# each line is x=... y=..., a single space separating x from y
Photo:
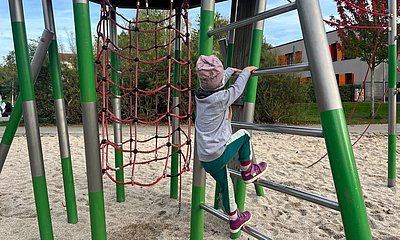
x=254 y=172
x=243 y=218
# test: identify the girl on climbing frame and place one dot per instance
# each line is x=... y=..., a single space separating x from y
x=216 y=145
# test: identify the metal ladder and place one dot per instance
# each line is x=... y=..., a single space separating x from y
x=334 y=130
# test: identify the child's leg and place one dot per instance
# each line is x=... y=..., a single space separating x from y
x=219 y=171
x=241 y=141
x=236 y=219
x=227 y=191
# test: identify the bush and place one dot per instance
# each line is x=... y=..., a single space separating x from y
x=72 y=94
x=44 y=96
x=347 y=92
x=276 y=94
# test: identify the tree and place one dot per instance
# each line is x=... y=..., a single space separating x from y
x=360 y=42
x=8 y=77
x=276 y=94
x=43 y=91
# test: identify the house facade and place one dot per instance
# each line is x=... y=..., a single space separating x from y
x=348 y=71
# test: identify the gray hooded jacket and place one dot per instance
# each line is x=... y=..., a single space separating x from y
x=213 y=127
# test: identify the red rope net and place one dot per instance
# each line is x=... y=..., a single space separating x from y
x=150 y=79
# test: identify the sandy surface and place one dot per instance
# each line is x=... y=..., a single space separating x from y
x=149 y=213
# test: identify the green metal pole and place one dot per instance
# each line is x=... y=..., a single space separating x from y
x=392 y=76
x=337 y=139
x=61 y=116
x=90 y=118
x=9 y=132
x=199 y=175
x=173 y=192
x=231 y=35
x=250 y=100
x=31 y=119
x=16 y=114
x=251 y=88
x=229 y=63
x=116 y=103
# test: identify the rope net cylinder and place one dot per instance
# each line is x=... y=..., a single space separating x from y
x=144 y=86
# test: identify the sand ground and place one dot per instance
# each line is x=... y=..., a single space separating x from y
x=149 y=213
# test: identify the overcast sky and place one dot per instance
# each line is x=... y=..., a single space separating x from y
x=278 y=30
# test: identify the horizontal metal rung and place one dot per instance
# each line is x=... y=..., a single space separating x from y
x=294 y=192
x=260 y=16
x=247 y=229
x=301 y=67
x=302 y=131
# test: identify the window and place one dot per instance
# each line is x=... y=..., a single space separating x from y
x=339 y=54
x=289 y=58
x=278 y=60
x=342 y=79
x=298 y=57
x=349 y=78
x=334 y=51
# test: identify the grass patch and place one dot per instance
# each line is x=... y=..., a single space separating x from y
x=307 y=113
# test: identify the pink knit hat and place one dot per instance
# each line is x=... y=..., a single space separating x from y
x=210 y=72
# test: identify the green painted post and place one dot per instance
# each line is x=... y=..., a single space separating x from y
x=9 y=132
x=251 y=88
x=61 y=116
x=90 y=118
x=250 y=100
x=173 y=191
x=337 y=139
x=392 y=76
x=229 y=54
x=31 y=119
x=231 y=35
x=229 y=63
x=116 y=103
x=16 y=114
x=199 y=175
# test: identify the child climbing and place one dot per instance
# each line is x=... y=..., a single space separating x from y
x=216 y=145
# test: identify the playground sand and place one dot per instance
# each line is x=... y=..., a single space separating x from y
x=149 y=213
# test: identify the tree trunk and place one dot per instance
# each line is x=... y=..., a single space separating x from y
x=372 y=113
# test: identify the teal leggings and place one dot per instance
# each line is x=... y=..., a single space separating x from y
x=239 y=142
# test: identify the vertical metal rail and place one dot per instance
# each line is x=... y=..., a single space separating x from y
x=229 y=63
x=199 y=175
x=16 y=114
x=61 y=116
x=31 y=119
x=392 y=75
x=231 y=35
x=250 y=99
x=340 y=152
x=173 y=191
x=116 y=104
x=90 y=118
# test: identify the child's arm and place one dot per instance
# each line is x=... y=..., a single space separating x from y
x=236 y=89
x=229 y=72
